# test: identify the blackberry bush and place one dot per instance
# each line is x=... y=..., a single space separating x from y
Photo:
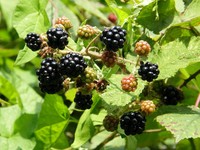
x=57 y=38
x=129 y=83
x=83 y=101
x=110 y=122
x=113 y=38
x=49 y=76
x=132 y=123
x=170 y=95
x=33 y=41
x=148 y=71
x=142 y=48
x=72 y=65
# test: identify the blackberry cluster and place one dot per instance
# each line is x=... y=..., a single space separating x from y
x=113 y=38
x=83 y=101
x=57 y=38
x=171 y=95
x=148 y=71
x=49 y=76
x=33 y=41
x=72 y=65
x=109 y=58
x=110 y=122
x=129 y=83
x=132 y=123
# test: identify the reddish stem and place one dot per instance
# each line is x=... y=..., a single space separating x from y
x=197 y=101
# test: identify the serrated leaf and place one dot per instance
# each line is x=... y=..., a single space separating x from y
x=25 y=56
x=175 y=55
x=181 y=121
x=191 y=10
x=30 y=16
x=157 y=15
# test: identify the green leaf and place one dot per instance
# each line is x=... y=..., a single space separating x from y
x=8 y=116
x=30 y=16
x=25 y=56
x=114 y=95
x=181 y=121
x=131 y=143
x=8 y=52
x=84 y=131
x=191 y=11
x=8 y=9
x=175 y=55
x=157 y=15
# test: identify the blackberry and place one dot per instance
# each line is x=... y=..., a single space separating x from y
x=142 y=48
x=33 y=41
x=147 y=106
x=109 y=58
x=132 y=123
x=86 y=31
x=170 y=95
x=72 y=65
x=148 y=71
x=83 y=101
x=113 y=38
x=89 y=75
x=129 y=83
x=110 y=122
x=112 y=18
x=57 y=38
x=49 y=76
x=101 y=85
x=64 y=21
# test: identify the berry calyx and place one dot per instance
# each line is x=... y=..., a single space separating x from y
x=170 y=95
x=110 y=122
x=113 y=38
x=109 y=58
x=147 y=106
x=64 y=21
x=148 y=71
x=83 y=101
x=57 y=38
x=49 y=76
x=132 y=123
x=129 y=83
x=72 y=65
x=86 y=31
x=142 y=48
x=112 y=18
x=33 y=41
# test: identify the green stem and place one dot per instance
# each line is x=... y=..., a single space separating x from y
x=191 y=140
x=4 y=102
x=91 y=42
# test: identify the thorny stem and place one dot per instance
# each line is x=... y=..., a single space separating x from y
x=91 y=42
x=153 y=130
x=108 y=139
x=197 y=101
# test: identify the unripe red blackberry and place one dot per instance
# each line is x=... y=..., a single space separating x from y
x=112 y=18
x=86 y=31
x=110 y=122
x=147 y=106
x=148 y=71
x=142 y=48
x=33 y=41
x=83 y=101
x=109 y=58
x=170 y=95
x=72 y=65
x=89 y=75
x=57 y=38
x=113 y=38
x=132 y=123
x=64 y=21
x=49 y=76
x=101 y=85
x=129 y=83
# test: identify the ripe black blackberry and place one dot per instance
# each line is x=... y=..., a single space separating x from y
x=83 y=101
x=110 y=122
x=113 y=38
x=49 y=76
x=33 y=41
x=72 y=65
x=57 y=38
x=148 y=71
x=132 y=123
x=170 y=95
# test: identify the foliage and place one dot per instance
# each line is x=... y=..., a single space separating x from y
x=33 y=120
